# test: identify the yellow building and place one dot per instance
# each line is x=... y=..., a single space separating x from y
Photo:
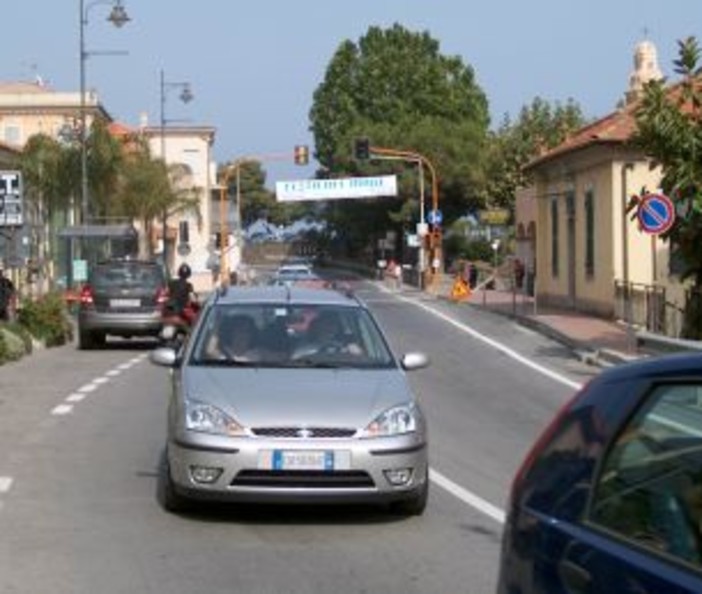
x=573 y=227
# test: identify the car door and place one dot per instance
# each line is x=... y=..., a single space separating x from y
x=643 y=527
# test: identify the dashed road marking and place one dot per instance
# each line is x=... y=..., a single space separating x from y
x=113 y=373
x=5 y=483
x=101 y=380
x=76 y=397
x=88 y=388
x=62 y=409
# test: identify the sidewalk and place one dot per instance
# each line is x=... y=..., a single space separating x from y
x=595 y=340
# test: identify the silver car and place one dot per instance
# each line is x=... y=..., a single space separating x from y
x=286 y=394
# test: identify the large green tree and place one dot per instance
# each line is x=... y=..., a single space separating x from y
x=669 y=130
x=395 y=87
x=540 y=126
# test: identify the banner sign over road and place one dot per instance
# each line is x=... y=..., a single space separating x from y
x=11 y=199
x=336 y=189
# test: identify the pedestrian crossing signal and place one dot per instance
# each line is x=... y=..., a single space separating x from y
x=302 y=154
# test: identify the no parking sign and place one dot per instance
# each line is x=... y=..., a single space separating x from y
x=656 y=213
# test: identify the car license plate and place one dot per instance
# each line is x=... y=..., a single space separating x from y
x=304 y=460
x=125 y=302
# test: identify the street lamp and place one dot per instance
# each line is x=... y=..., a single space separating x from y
x=186 y=96
x=118 y=17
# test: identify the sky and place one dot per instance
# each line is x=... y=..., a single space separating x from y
x=254 y=66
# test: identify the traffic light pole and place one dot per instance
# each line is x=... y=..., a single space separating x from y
x=433 y=238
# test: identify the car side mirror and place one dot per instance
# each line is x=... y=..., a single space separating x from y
x=412 y=361
x=164 y=356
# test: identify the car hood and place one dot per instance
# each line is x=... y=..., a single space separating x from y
x=328 y=397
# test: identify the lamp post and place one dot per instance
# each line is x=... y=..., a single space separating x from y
x=118 y=17
x=186 y=95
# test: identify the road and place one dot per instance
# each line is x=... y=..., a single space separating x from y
x=81 y=434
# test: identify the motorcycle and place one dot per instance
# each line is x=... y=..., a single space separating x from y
x=176 y=324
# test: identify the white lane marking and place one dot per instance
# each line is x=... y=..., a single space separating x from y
x=497 y=345
x=87 y=388
x=124 y=366
x=467 y=497
x=75 y=397
x=5 y=483
x=62 y=409
x=113 y=372
x=101 y=380
x=456 y=490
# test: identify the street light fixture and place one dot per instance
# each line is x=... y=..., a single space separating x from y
x=186 y=96
x=118 y=17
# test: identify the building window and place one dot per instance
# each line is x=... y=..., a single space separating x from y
x=12 y=134
x=590 y=233
x=554 y=237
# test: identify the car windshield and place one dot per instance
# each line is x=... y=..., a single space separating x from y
x=126 y=274
x=304 y=336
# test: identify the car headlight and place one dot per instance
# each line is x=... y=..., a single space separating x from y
x=206 y=418
x=395 y=421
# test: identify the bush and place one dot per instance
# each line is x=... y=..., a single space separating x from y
x=46 y=319
x=12 y=346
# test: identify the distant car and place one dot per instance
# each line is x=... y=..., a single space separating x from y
x=296 y=274
x=121 y=298
x=292 y=395
x=610 y=497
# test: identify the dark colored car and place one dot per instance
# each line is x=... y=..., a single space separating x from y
x=610 y=497
x=122 y=298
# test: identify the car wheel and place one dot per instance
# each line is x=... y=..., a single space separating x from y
x=169 y=498
x=85 y=340
x=99 y=339
x=416 y=504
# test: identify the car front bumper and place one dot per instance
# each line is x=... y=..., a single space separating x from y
x=361 y=472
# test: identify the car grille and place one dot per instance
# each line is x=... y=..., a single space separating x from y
x=304 y=479
x=303 y=432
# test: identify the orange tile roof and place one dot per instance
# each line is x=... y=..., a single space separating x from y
x=615 y=128
x=118 y=129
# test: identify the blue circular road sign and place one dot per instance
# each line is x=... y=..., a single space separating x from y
x=656 y=213
x=434 y=217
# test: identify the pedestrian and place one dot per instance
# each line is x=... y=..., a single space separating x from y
x=394 y=272
x=473 y=276
x=7 y=297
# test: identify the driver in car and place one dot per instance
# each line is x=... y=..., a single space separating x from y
x=326 y=336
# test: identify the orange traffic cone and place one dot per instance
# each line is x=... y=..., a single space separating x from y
x=460 y=290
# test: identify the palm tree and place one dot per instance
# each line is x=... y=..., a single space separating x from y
x=48 y=191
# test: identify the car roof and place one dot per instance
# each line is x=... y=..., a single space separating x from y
x=675 y=364
x=281 y=294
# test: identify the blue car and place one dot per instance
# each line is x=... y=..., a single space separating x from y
x=609 y=499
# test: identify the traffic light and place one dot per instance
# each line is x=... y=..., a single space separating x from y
x=302 y=154
x=362 y=149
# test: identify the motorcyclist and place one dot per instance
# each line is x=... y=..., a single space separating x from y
x=183 y=299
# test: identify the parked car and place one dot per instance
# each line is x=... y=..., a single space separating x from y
x=270 y=404
x=122 y=297
x=610 y=497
